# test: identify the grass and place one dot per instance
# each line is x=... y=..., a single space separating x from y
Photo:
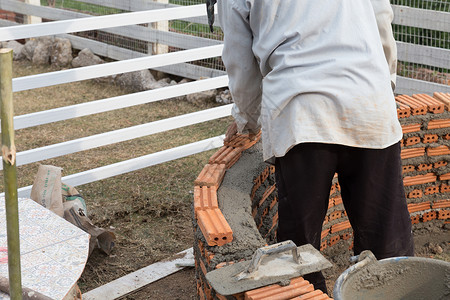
x=149 y=208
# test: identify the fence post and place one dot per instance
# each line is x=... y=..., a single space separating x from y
x=32 y=19
x=10 y=174
x=162 y=26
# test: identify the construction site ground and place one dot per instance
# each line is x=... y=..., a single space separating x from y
x=150 y=209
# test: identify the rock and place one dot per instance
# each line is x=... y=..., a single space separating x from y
x=17 y=49
x=224 y=97
x=61 y=53
x=202 y=97
x=137 y=81
x=28 y=49
x=86 y=58
x=43 y=50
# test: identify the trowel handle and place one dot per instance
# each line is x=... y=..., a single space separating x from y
x=272 y=249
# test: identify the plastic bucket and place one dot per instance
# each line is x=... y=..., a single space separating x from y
x=395 y=278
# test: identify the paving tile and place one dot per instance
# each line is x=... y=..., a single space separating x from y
x=434 y=106
x=214 y=227
x=417 y=107
x=419 y=179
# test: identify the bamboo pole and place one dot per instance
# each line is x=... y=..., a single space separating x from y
x=10 y=174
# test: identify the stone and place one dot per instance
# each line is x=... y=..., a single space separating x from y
x=201 y=97
x=28 y=49
x=137 y=81
x=43 y=50
x=17 y=49
x=86 y=58
x=224 y=97
x=61 y=53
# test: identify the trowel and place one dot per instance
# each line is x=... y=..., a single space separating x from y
x=271 y=264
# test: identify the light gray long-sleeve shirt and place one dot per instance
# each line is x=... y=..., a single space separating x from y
x=312 y=71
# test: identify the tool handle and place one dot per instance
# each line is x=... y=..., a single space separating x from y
x=272 y=249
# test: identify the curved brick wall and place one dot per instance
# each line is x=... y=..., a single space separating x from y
x=425 y=155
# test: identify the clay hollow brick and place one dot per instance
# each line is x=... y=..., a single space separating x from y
x=415 y=219
x=417 y=107
x=445 y=188
x=444 y=98
x=436 y=124
x=408 y=168
x=440 y=164
x=226 y=155
x=242 y=140
x=211 y=175
x=441 y=150
x=419 y=179
x=403 y=110
x=428 y=216
x=340 y=226
x=415 y=207
x=333 y=240
x=346 y=236
x=267 y=193
x=411 y=128
x=205 y=197
x=444 y=214
x=447 y=136
x=441 y=204
x=214 y=227
x=412 y=141
x=314 y=295
x=335 y=215
x=297 y=287
x=415 y=194
x=424 y=167
x=412 y=152
x=324 y=233
x=430 y=138
x=434 y=106
x=323 y=245
x=444 y=176
x=431 y=190
x=337 y=200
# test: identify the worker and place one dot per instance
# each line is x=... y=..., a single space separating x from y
x=318 y=78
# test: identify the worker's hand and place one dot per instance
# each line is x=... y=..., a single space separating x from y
x=231 y=131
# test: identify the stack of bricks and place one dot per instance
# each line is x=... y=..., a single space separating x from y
x=425 y=154
x=7 y=15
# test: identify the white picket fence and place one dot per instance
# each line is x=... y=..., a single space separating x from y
x=103 y=105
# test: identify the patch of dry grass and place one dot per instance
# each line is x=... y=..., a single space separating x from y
x=149 y=208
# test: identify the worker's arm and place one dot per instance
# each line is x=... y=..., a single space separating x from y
x=242 y=68
x=384 y=16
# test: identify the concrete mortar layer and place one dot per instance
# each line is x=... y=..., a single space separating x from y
x=235 y=204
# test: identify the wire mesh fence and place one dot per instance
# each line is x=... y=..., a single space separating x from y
x=411 y=35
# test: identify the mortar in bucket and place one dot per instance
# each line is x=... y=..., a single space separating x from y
x=394 y=278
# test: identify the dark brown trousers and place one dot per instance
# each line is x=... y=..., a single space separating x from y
x=371 y=189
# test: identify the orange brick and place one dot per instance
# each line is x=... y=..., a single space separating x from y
x=445 y=188
x=436 y=124
x=440 y=164
x=214 y=227
x=337 y=200
x=403 y=110
x=415 y=194
x=417 y=107
x=323 y=245
x=441 y=150
x=431 y=190
x=411 y=128
x=242 y=140
x=419 y=179
x=297 y=287
x=428 y=216
x=447 y=136
x=226 y=155
x=430 y=138
x=412 y=152
x=444 y=214
x=444 y=176
x=267 y=193
x=340 y=226
x=334 y=240
x=211 y=175
x=444 y=98
x=202 y=266
x=424 y=167
x=407 y=169
x=335 y=215
x=415 y=207
x=346 y=236
x=415 y=219
x=441 y=204
x=434 y=106
x=324 y=233
x=205 y=197
x=413 y=140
